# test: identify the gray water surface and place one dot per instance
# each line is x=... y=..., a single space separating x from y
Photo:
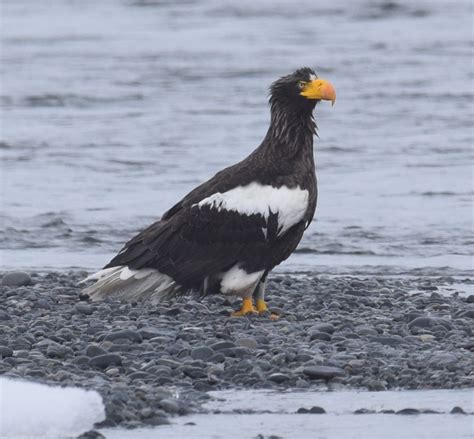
x=274 y=413
x=113 y=110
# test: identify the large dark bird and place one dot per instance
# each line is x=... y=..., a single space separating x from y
x=228 y=233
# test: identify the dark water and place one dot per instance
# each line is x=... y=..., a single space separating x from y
x=112 y=110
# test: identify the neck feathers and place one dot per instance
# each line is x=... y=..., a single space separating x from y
x=291 y=130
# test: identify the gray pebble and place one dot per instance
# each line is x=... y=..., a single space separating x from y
x=222 y=345
x=149 y=332
x=106 y=360
x=393 y=341
x=128 y=334
x=320 y=336
x=201 y=353
x=95 y=350
x=278 y=377
x=5 y=352
x=247 y=342
x=83 y=308
x=170 y=405
x=92 y=434
x=138 y=375
x=408 y=411
x=16 y=279
x=323 y=372
x=428 y=322
x=4 y=316
x=323 y=327
x=363 y=412
x=194 y=372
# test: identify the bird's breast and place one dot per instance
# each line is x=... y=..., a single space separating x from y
x=288 y=203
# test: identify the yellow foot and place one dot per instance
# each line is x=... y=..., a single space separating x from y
x=262 y=309
x=247 y=308
x=261 y=306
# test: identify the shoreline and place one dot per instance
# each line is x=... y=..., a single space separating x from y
x=151 y=363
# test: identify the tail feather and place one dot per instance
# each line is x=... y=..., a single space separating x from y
x=123 y=283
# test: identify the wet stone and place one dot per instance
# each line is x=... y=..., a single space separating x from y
x=363 y=412
x=323 y=372
x=317 y=410
x=458 y=411
x=202 y=353
x=92 y=434
x=128 y=334
x=170 y=405
x=468 y=314
x=16 y=279
x=222 y=345
x=149 y=333
x=428 y=322
x=5 y=351
x=138 y=375
x=320 y=336
x=4 y=316
x=249 y=343
x=81 y=360
x=408 y=411
x=106 y=360
x=55 y=350
x=323 y=327
x=194 y=372
x=388 y=340
x=278 y=377
x=83 y=308
x=94 y=351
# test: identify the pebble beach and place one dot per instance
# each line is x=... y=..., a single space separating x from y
x=150 y=363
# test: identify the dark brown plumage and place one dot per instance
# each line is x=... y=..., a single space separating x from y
x=229 y=232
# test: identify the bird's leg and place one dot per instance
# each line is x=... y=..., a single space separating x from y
x=247 y=308
x=259 y=296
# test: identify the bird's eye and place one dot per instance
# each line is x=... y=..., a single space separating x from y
x=301 y=84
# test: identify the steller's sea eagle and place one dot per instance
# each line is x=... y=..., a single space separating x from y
x=227 y=234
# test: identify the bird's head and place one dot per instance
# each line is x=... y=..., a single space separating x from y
x=301 y=90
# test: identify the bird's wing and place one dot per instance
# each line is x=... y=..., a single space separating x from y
x=196 y=242
x=224 y=180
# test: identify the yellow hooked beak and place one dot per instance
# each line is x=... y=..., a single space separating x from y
x=319 y=89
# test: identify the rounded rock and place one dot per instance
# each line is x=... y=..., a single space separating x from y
x=5 y=352
x=94 y=351
x=16 y=279
x=249 y=343
x=428 y=322
x=408 y=411
x=202 y=353
x=317 y=410
x=222 y=345
x=106 y=360
x=128 y=334
x=278 y=377
x=83 y=308
x=323 y=372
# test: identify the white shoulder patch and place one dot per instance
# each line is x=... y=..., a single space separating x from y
x=289 y=203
